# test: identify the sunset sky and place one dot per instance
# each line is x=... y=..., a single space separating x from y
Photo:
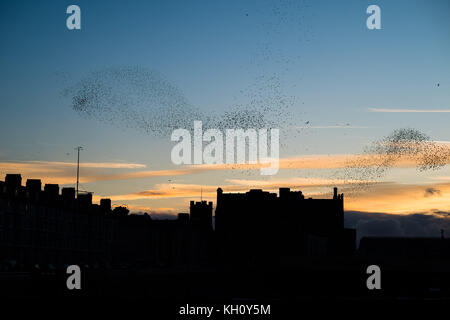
x=347 y=87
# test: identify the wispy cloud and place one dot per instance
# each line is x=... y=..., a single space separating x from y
x=177 y=190
x=440 y=178
x=402 y=198
x=63 y=172
x=295 y=182
x=409 y=110
x=332 y=127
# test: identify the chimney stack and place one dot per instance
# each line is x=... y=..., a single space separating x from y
x=13 y=181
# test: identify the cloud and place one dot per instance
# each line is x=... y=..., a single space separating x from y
x=441 y=213
x=63 y=172
x=429 y=192
x=387 y=197
x=176 y=190
x=61 y=164
x=383 y=224
x=440 y=178
x=143 y=174
x=294 y=182
x=400 y=198
x=332 y=127
x=103 y=165
x=409 y=110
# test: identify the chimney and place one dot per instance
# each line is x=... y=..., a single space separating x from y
x=68 y=194
x=105 y=204
x=284 y=192
x=335 y=195
x=33 y=185
x=13 y=181
x=219 y=195
x=51 y=190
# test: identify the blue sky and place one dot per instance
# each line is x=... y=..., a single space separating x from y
x=216 y=53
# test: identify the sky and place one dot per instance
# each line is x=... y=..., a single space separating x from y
x=336 y=85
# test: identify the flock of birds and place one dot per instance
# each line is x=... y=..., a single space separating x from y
x=406 y=144
x=143 y=99
x=140 y=98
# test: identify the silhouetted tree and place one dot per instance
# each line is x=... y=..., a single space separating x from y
x=121 y=211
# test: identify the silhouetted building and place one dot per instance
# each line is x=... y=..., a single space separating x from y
x=84 y=199
x=105 y=205
x=68 y=196
x=263 y=245
x=13 y=181
x=254 y=228
x=132 y=239
x=202 y=241
x=45 y=228
x=183 y=217
x=34 y=186
x=260 y=228
x=201 y=213
x=171 y=242
x=51 y=190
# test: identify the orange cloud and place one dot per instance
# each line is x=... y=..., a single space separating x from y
x=177 y=190
x=167 y=191
x=295 y=182
x=64 y=172
x=401 y=198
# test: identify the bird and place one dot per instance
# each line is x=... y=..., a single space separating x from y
x=438 y=84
